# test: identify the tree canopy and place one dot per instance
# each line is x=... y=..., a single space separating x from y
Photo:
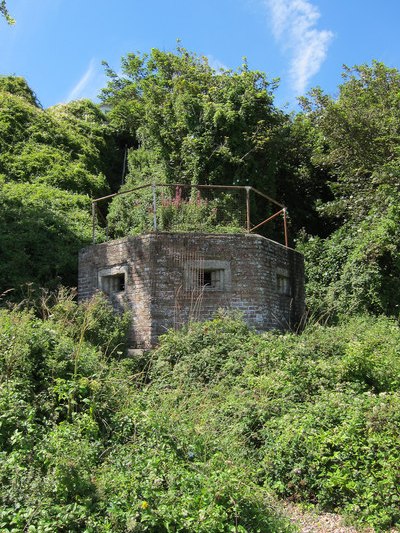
x=357 y=145
x=188 y=123
x=4 y=12
x=358 y=137
x=201 y=125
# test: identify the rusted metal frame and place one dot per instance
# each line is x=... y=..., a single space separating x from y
x=227 y=187
x=123 y=192
x=94 y=222
x=186 y=185
x=285 y=226
x=148 y=185
x=268 y=219
x=248 y=209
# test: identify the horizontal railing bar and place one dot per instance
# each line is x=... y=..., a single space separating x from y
x=148 y=185
x=95 y=200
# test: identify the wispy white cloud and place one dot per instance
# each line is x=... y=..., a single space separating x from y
x=294 y=27
x=216 y=64
x=89 y=84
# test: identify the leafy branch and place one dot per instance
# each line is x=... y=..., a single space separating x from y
x=4 y=12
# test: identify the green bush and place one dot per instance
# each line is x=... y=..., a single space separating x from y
x=87 y=444
x=200 y=433
x=355 y=270
x=340 y=453
x=51 y=162
x=318 y=410
x=41 y=232
x=201 y=354
x=168 y=478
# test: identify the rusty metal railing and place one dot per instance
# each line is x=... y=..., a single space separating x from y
x=249 y=228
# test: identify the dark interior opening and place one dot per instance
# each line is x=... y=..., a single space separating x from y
x=113 y=283
x=207 y=278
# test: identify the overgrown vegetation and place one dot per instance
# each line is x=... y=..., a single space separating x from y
x=356 y=142
x=87 y=444
x=190 y=124
x=201 y=433
x=335 y=164
x=51 y=162
x=176 y=120
x=317 y=415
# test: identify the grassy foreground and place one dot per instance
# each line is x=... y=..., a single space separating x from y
x=200 y=435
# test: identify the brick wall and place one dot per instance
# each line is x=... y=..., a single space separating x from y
x=171 y=278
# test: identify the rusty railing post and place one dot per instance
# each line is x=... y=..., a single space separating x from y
x=285 y=227
x=248 y=209
x=94 y=222
x=153 y=186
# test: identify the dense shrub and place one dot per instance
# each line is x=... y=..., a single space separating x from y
x=42 y=229
x=318 y=412
x=356 y=269
x=51 y=162
x=341 y=453
x=87 y=445
x=204 y=353
x=199 y=434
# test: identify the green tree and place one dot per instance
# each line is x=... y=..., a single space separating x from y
x=201 y=125
x=68 y=146
x=4 y=12
x=301 y=183
x=356 y=143
x=187 y=123
x=359 y=136
x=17 y=85
x=42 y=229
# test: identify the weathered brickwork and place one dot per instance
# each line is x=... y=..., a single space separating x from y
x=168 y=279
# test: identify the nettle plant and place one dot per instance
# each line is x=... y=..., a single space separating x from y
x=188 y=214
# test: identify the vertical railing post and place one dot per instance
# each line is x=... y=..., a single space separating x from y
x=153 y=186
x=285 y=226
x=248 y=209
x=94 y=222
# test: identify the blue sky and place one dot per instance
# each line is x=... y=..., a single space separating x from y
x=58 y=45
